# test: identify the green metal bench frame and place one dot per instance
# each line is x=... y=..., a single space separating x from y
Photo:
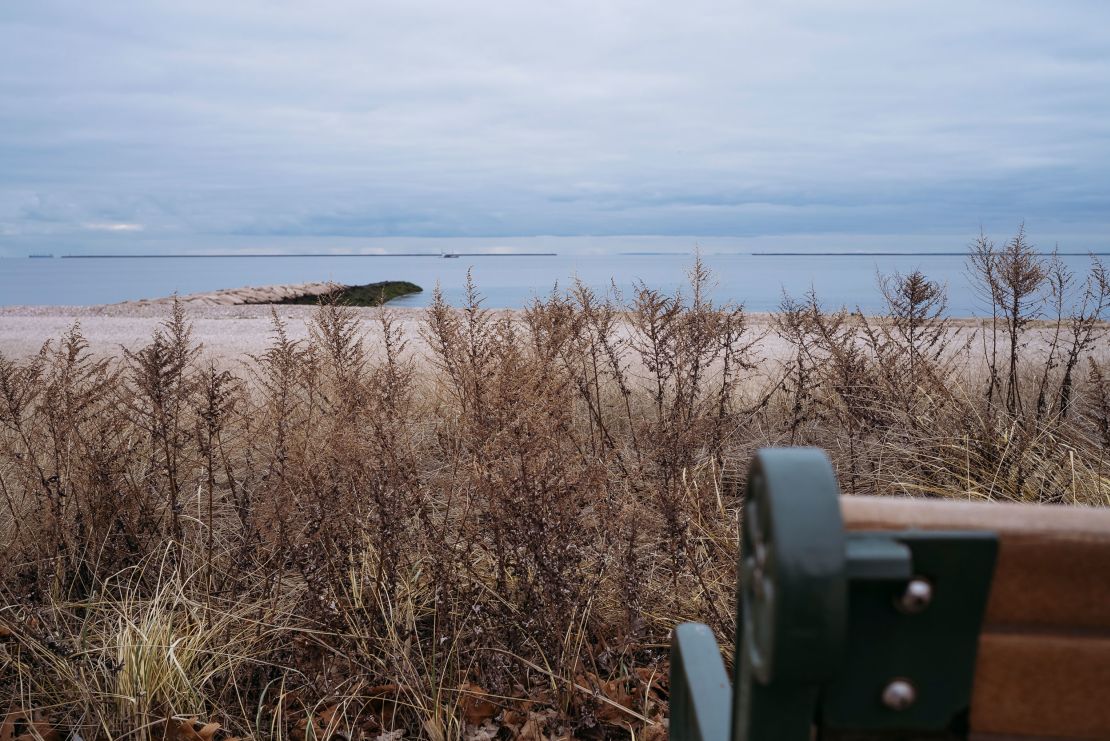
x=861 y=635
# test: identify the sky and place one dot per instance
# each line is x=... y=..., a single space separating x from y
x=199 y=125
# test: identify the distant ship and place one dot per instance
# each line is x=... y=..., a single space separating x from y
x=44 y=256
x=448 y=255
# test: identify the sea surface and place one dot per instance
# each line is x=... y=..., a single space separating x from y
x=756 y=281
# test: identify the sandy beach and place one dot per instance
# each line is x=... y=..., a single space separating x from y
x=231 y=332
x=229 y=323
x=225 y=331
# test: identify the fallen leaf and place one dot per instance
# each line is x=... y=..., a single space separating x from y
x=485 y=732
x=382 y=702
x=616 y=691
x=475 y=704
x=208 y=731
x=514 y=719
x=390 y=736
x=190 y=729
x=21 y=725
x=300 y=731
x=329 y=719
x=533 y=729
x=657 y=732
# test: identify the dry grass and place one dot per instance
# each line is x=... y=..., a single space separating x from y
x=348 y=539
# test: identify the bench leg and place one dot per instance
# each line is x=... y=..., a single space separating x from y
x=700 y=691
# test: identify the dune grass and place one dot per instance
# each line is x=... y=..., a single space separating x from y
x=351 y=539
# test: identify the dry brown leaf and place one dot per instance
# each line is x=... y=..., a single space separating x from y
x=652 y=696
x=208 y=731
x=616 y=691
x=396 y=735
x=368 y=724
x=513 y=719
x=324 y=725
x=382 y=702
x=379 y=690
x=657 y=732
x=652 y=677
x=21 y=725
x=475 y=704
x=533 y=729
x=300 y=730
x=190 y=729
x=587 y=681
x=488 y=731
x=329 y=719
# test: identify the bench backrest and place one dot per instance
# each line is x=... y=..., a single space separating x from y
x=868 y=618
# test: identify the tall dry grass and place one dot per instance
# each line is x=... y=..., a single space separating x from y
x=348 y=538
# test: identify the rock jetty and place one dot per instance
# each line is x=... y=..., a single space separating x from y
x=275 y=294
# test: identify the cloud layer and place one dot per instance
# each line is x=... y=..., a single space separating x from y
x=129 y=120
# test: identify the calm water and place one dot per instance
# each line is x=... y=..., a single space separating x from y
x=506 y=282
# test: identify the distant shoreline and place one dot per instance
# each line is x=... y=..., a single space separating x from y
x=909 y=254
x=883 y=253
x=311 y=254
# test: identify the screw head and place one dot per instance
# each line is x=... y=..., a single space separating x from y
x=918 y=595
x=899 y=694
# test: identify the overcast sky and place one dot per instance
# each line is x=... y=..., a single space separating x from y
x=198 y=122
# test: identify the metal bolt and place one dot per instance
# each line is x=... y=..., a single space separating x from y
x=918 y=595
x=899 y=694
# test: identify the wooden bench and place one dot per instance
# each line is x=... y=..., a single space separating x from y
x=888 y=618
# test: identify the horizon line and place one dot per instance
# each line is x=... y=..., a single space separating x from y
x=298 y=254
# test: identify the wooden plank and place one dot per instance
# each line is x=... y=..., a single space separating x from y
x=1042 y=686
x=1053 y=566
x=1045 y=520
x=1043 y=668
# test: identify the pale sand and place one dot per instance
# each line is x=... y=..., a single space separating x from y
x=230 y=333
x=229 y=323
x=225 y=331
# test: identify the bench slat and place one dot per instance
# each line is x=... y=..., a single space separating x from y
x=1053 y=562
x=1042 y=686
x=1043 y=666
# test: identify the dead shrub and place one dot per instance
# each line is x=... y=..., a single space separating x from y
x=350 y=536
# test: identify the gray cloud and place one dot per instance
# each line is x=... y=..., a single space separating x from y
x=341 y=118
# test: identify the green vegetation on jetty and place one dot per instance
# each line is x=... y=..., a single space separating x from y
x=371 y=294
